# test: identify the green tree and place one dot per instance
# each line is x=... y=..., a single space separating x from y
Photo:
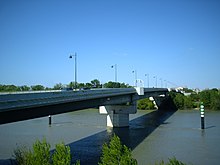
x=81 y=85
x=145 y=104
x=40 y=154
x=22 y=155
x=205 y=98
x=214 y=97
x=187 y=90
x=25 y=88
x=37 y=87
x=88 y=85
x=58 y=86
x=96 y=83
x=188 y=104
x=72 y=85
x=216 y=102
x=123 y=85
x=1 y=88
x=9 y=88
x=210 y=99
x=61 y=155
x=195 y=100
x=115 y=153
x=179 y=101
x=111 y=84
x=172 y=161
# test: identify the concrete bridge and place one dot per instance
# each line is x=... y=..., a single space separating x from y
x=116 y=103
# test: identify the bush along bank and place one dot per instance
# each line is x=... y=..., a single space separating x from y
x=113 y=153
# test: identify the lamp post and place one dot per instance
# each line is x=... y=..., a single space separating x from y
x=71 y=56
x=115 y=66
x=155 y=81
x=147 y=75
x=165 y=83
x=161 y=82
x=135 y=76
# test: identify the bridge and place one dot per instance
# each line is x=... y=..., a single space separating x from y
x=117 y=103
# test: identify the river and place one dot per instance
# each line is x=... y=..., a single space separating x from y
x=153 y=136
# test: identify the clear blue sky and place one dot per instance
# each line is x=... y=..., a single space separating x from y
x=176 y=40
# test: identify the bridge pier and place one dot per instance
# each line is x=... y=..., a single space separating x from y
x=118 y=115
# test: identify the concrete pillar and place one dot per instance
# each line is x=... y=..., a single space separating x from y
x=118 y=115
x=117 y=120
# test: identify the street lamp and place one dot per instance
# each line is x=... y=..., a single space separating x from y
x=155 y=81
x=115 y=66
x=135 y=76
x=161 y=81
x=71 y=56
x=165 y=83
x=147 y=75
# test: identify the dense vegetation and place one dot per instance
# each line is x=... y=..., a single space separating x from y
x=145 y=104
x=114 y=153
x=13 y=88
x=40 y=154
x=92 y=84
x=209 y=98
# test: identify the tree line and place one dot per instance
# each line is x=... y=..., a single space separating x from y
x=209 y=97
x=92 y=84
x=13 y=88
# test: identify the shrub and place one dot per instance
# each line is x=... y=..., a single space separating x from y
x=116 y=153
x=172 y=161
x=62 y=155
x=22 y=155
x=40 y=154
x=145 y=104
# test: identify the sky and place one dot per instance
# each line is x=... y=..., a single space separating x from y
x=176 y=42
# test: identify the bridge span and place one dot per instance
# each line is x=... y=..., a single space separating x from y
x=117 y=103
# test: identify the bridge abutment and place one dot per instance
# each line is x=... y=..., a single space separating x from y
x=118 y=115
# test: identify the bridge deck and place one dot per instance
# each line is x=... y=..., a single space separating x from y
x=16 y=101
x=15 y=107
